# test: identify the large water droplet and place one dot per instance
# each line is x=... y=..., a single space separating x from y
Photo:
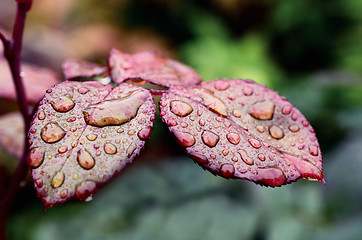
x=58 y=179
x=210 y=138
x=109 y=148
x=270 y=177
x=91 y=136
x=214 y=103
x=244 y=156
x=227 y=170
x=85 y=189
x=180 y=108
x=262 y=110
x=286 y=109
x=52 y=132
x=255 y=143
x=276 y=132
x=185 y=139
x=85 y=159
x=36 y=157
x=234 y=138
x=62 y=104
x=115 y=112
x=145 y=133
x=221 y=85
x=294 y=128
x=62 y=149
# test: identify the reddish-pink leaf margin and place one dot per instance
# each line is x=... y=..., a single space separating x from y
x=83 y=134
x=73 y=68
x=239 y=129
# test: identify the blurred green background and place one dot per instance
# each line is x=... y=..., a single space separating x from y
x=308 y=51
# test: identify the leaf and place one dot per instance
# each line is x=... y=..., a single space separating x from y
x=76 y=68
x=12 y=133
x=83 y=134
x=151 y=67
x=239 y=129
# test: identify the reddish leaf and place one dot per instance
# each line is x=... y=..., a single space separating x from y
x=83 y=134
x=239 y=129
x=76 y=68
x=151 y=67
x=12 y=133
x=36 y=80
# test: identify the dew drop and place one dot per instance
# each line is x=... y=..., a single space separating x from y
x=210 y=138
x=62 y=149
x=36 y=157
x=234 y=138
x=294 y=116
x=276 y=132
x=131 y=148
x=62 y=104
x=244 y=156
x=52 y=132
x=236 y=113
x=255 y=143
x=199 y=158
x=262 y=110
x=39 y=183
x=58 y=179
x=131 y=132
x=120 y=130
x=83 y=90
x=225 y=152
x=202 y=122
x=85 y=189
x=313 y=150
x=261 y=157
x=64 y=193
x=180 y=108
x=270 y=177
x=109 y=148
x=115 y=112
x=260 y=128
x=227 y=170
x=247 y=90
x=221 y=85
x=184 y=139
x=305 y=123
x=211 y=101
x=71 y=119
x=91 y=137
x=286 y=109
x=145 y=133
x=85 y=159
x=41 y=115
x=294 y=128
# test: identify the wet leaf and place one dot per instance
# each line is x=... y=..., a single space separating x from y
x=83 y=134
x=239 y=129
x=12 y=133
x=77 y=68
x=150 y=67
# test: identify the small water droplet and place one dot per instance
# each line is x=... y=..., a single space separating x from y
x=261 y=157
x=262 y=110
x=52 y=132
x=202 y=122
x=41 y=115
x=294 y=116
x=62 y=104
x=286 y=109
x=120 y=130
x=184 y=139
x=39 y=183
x=62 y=149
x=180 y=108
x=109 y=148
x=83 y=90
x=115 y=112
x=313 y=150
x=210 y=138
x=91 y=136
x=305 y=123
x=255 y=143
x=71 y=119
x=85 y=189
x=64 y=193
x=75 y=176
x=74 y=144
x=244 y=156
x=131 y=148
x=184 y=125
x=145 y=133
x=171 y=122
x=260 y=128
x=221 y=85
x=199 y=158
x=225 y=152
x=58 y=179
x=236 y=113
x=294 y=128
x=131 y=132
x=234 y=138
x=276 y=132
x=85 y=159
x=227 y=170
x=36 y=157
x=247 y=90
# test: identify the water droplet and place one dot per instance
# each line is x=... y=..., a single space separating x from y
x=234 y=138
x=236 y=113
x=244 y=156
x=294 y=116
x=41 y=115
x=294 y=128
x=171 y=122
x=145 y=133
x=255 y=143
x=62 y=149
x=261 y=157
x=199 y=158
x=305 y=123
x=286 y=109
x=247 y=90
x=120 y=130
x=71 y=119
x=58 y=179
x=184 y=125
x=131 y=148
x=39 y=183
x=262 y=110
x=75 y=176
x=180 y=108
x=276 y=132
x=109 y=148
x=221 y=85
x=74 y=144
x=202 y=122
x=91 y=137
x=62 y=104
x=52 y=132
x=85 y=159
x=131 y=132
x=85 y=189
x=64 y=193
x=260 y=128
x=227 y=170
x=270 y=177
x=211 y=101
x=225 y=152
x=313 y=150
x=210 y=138
x=184 y=139
x=36 y=157
x=83 y=90
x=115 y=112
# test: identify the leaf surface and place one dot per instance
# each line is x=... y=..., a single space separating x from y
x=83 y=134
x=73 y=68
x=239 y=129
x=150 y=67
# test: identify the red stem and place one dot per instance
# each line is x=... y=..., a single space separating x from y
x=12 y=50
